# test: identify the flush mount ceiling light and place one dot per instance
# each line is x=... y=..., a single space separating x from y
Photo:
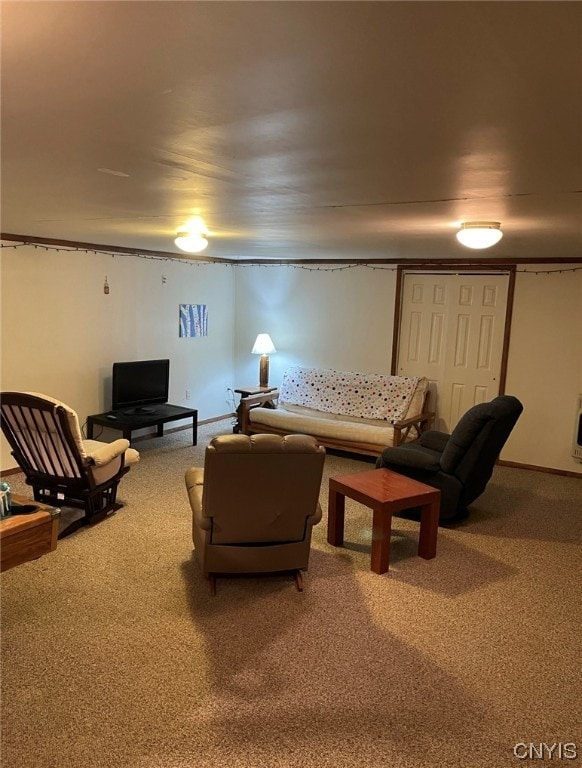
x=192 y=238
x=479 y=234
x=191 y=243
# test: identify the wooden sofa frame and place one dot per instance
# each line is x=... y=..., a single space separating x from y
x=402 y=428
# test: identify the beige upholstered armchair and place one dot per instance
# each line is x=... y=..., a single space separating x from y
x=255 y=503
x=62 y=467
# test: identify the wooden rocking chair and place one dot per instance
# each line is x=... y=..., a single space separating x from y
x=62 y=467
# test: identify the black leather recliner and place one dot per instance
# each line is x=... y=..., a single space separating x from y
x=459 y=464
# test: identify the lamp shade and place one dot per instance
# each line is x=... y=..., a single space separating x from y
x=479 y=234
x=263 y=345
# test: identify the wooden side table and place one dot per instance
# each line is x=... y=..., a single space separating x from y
x=27 y=537
x=385 y=492
x=247 y=392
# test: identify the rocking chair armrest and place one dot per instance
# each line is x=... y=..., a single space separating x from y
x=107 y=452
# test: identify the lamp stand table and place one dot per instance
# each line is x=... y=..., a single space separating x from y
x=247 y=392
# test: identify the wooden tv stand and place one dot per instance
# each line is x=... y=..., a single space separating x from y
x=127 y=421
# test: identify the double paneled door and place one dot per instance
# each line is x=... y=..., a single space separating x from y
x=451 y=331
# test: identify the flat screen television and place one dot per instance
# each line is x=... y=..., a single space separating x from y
x=139 y=384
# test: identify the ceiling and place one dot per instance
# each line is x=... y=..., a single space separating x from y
x=297 y=130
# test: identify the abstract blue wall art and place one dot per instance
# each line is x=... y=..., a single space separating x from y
x=193 y=320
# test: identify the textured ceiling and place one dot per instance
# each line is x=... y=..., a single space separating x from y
x=302 y=130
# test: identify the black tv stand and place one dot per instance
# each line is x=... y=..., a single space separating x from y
x=139 y=418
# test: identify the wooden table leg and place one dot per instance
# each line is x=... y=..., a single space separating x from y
x=429 y=526
x=381 y=530
x=335 y=518
x=195 y=429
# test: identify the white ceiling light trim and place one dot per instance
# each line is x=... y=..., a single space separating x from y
x=479 y=234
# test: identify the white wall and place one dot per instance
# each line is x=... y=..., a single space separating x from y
x=339 y=319
x=61 y=333
x=344 y=320
x=545 y=365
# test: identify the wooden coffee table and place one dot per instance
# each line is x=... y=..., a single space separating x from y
x=385 y=492
x=27 y=537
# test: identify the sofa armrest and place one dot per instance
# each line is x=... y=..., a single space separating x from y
x=315 y=518
x=419 y=423
x=266 y=400
x=195 y=486
x=411 y=456
x=434 y=440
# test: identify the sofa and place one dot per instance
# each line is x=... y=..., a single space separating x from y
x=349 y=411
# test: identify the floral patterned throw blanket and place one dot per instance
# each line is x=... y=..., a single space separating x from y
x=367 y=395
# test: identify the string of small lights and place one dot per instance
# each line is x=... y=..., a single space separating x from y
x=306 y=267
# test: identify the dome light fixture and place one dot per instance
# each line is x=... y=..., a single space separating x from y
x=191 y=242
x=479 y=234
x=193 y=238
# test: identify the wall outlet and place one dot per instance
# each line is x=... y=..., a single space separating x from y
x=188 y=394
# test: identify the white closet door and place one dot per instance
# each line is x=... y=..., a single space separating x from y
x=451 y=331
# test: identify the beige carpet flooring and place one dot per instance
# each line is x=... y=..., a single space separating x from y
x=115 y=655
